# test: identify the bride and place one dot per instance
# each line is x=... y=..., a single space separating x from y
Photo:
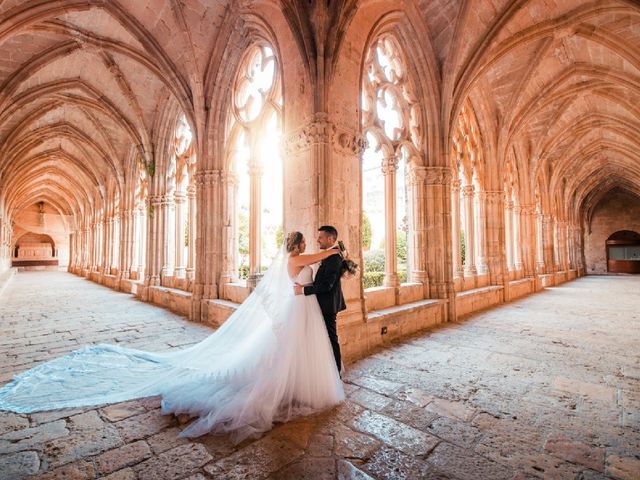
x=270 y=361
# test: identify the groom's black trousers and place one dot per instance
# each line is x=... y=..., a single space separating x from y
x=330 y=322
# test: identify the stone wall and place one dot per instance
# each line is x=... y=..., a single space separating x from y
x=618 y=210
x=31 y=223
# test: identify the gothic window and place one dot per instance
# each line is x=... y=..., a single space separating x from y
x=390 y=120
x=254 y=174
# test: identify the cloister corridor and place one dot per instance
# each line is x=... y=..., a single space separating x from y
x=544 y=387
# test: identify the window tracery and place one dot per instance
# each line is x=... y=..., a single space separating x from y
x=391 y=123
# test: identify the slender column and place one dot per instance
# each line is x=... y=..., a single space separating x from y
x=528 y=239
x=540 y=243
x=481 y=231
x=548 y=239
x=141 y=236
x=556 y=246
x=470 y=260
x=508 y=226
x=517 y=243
x=416 y=246
x=389 y=168
x=255 y=222
x=127 y=232
x=168 y=219
x=104 y=247
x=455 y=229
x=154 y=251
x=565 y=245
x=99 y=235
x=180 y=200
x=191 y=261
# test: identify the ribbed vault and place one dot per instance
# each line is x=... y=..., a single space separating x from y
x=557 y=90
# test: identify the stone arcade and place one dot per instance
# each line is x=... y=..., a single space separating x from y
x=469 y=152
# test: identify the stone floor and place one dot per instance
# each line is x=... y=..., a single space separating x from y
x=547 y=387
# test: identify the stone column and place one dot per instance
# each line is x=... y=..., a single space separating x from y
x=481 y=231
x=141 y=235
x=191 y=261
x=508 y=227
x=166 y=240
x=127 y=242
x=565 y=246
x=517 y=235
x=547 y=237
x=455 y=229
x=230 y=240
x=105 y=246
x=255 y=222
x=153 y=250
x=389 y=168
x=540 y=242
x=322 y=164
x=180 y=199
x=98 y=245
x=528 y=239
x=555 y=245
x=417 y=243
x=470 y=260
x=496 y=240
x=439 y=234
x=208 y=241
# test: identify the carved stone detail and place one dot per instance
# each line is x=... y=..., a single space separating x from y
x=319 y=129
x=439 y=175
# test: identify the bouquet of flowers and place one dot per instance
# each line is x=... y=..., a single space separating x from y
x=349 y=268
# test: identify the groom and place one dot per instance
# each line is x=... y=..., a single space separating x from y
x=326 y=286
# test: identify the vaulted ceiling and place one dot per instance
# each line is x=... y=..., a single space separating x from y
x=555 y=85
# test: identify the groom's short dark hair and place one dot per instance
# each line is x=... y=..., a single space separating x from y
x=329 y=230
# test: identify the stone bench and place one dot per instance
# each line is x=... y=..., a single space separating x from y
x=476 y=299
x=174 y=299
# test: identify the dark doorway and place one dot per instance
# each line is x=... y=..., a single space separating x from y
x=623 y=252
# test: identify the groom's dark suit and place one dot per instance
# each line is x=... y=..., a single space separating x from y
x=326 y=286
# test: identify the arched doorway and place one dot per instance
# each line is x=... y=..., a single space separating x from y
x=34 y=249
x=623 y=252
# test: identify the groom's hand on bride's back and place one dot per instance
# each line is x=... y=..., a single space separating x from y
x=298 y=289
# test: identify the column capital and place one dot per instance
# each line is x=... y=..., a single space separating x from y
x=256 y=169
x=416 y=175
x=207 y=177
x=389 y=164
x=320 y=128
x=439 y=175
x=468 y=190
x=527 y=209
x=316 y=129
x=494 y=196
x=179 y=197
x=227 y=177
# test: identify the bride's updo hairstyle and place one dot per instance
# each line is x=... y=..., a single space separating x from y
x=293 y=241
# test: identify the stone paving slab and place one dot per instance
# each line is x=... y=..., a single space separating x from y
x=547 y=387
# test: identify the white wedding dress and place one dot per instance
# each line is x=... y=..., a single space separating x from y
x=270 y=361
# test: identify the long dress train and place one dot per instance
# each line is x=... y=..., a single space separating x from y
x=270 y=361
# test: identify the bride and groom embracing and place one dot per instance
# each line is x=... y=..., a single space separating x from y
x=276 y=357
